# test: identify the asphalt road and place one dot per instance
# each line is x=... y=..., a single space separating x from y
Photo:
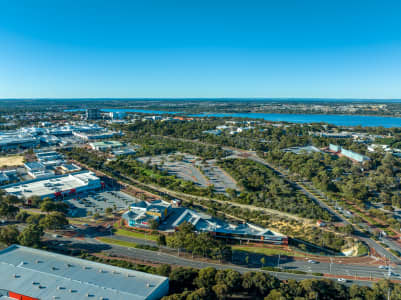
x=159 y=257
x=337 y=269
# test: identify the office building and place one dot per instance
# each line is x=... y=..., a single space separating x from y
x=348 y=153
x=117 y=115
x=93 y=114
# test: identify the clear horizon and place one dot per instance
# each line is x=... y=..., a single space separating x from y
x=154 y=49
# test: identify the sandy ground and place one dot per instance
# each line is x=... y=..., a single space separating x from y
x=14 y=160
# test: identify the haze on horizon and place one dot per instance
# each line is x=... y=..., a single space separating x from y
x=156 y=49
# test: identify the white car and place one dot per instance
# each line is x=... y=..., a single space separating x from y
x=342 y=280
x=312 y=261
x=383 y=267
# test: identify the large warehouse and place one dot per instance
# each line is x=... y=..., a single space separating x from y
x=56 y=186
x=32 y=274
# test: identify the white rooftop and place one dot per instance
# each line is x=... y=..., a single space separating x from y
x=52 y=185
x=46 y=275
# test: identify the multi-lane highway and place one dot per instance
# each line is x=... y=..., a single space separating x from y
x=160 y=257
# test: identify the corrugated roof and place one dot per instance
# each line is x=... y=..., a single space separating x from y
x=46 y=275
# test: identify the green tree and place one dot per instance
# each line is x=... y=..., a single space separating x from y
x=9 y=235
x=22 y=216
x=31 y=236
x=47 y=206
x=153 y=224
x=55 y=220
x=8 y=211
x=161 y=240
x=163 y=270
x=206 y=278
x=34 y=219
x=182 y=278
x=221 y=291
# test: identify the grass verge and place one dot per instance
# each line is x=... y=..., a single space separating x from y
x=267 y=251
x=126 y=244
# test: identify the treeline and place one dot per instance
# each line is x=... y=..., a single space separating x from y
x=201 y=244
x=262 y=187
x=153 y=175
x=35 y=223
x=149 y=135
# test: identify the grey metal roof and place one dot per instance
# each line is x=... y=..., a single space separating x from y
x=47 y=275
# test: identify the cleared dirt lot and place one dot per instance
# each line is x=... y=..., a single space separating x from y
x=191 y=168
x=12 y=160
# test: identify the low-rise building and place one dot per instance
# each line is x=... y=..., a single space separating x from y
x=213 y=131
x=15 y=141
x=224 y=230
x=92 y=136
x=58 y=186
x=7 y=176
x=33 y=274
x=106 y=145
x=123 y=151
x=302 y=150
x=141 y=213
x=69 y=168
x=348 y=153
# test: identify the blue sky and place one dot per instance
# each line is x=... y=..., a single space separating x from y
x=304 y=48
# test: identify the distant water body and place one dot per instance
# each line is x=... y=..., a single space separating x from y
x=340 y=120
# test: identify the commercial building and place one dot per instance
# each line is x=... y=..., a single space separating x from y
x=141 y=213
x=348 y=153
x=15 y=141
x=69 y=168
x=8 y=176
x=106 y=145
x=335 y=135
x=302 y=150
x=213 y=131
x=123 y=151
x=334 y=148
x=33 y=274
x=117 y=115
x=49 y=140
x=224 y=230
x=50 y=158
x=93 y=114
x=379 y=147
x=88 y=136
x=58 y=186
